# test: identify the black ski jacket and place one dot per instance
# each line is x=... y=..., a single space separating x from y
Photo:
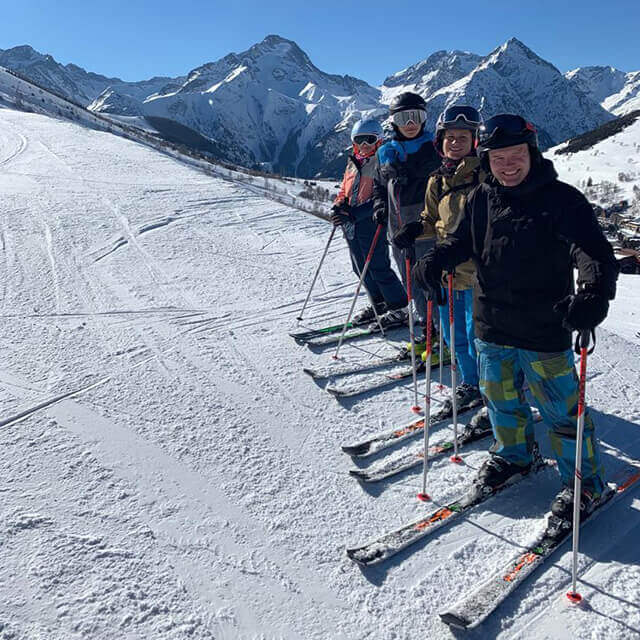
x=404 y=165
x=525 y=241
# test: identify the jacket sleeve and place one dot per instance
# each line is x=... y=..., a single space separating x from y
x=592 y=253
x=341 y=197
x=430 y=212
x=380 y=195
x=458 y=246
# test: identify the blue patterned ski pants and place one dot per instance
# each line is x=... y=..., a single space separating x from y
x=553 y=381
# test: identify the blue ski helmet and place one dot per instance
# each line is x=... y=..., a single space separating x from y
x=367 y=126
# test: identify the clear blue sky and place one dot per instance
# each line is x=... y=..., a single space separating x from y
x=135 y=39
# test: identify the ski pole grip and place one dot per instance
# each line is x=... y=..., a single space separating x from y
x=583 y=339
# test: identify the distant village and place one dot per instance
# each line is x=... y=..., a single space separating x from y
x=621 y=224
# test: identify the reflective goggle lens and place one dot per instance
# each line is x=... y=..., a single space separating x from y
x=403 y=118
x=508 y=123
x=465 y=114
x=368 y=138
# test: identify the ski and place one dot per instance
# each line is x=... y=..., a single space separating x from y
x=351 y=388
x=309 y=334
x=352 y=333
x=389 y=468
x=398 y=434
x=404 y=462
x=481 y=601
x=340 y=370
x=389 y=544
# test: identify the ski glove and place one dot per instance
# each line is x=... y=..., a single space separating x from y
x=583 y=311
x=405 y=237
x=380 y=215
x=427 y=274
x=340 y=214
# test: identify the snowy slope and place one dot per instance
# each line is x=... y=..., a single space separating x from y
x=192 y=486
x=614 y=160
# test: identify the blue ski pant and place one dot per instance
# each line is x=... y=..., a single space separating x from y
x=465 y=336
x=381 y=282
x=553 y=381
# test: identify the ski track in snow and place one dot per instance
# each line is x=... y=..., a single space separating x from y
x=168 y=470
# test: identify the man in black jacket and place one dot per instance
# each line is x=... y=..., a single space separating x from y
x=400 y=181
x=525 y=229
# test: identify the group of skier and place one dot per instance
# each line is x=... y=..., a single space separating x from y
x=478 y=201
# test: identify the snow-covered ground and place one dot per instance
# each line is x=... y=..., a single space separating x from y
x=191 y=484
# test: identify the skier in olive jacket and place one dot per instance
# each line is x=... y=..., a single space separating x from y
x=524 y=230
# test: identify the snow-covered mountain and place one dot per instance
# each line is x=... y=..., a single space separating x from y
x=270 y=107
x=615 y=90
x=72 y=81
x=270 y=104
x=512 y=78
x=440 y=69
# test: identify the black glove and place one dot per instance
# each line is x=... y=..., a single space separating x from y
x=397 y=171
x=340 y=214
x=380 y=215
x=583 y=311
x=427 y=274
x=405 y=237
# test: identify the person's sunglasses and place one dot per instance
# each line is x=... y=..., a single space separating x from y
x=367 y=138
x=403 y=118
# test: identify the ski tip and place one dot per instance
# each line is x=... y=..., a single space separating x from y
x=456 y=459
x=574 y=597
x=453 y=620
x=357 y=473
x=309 y=372
x=356 y=450
x=424 y=497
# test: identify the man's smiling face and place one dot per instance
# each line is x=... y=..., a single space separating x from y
x=510 y=165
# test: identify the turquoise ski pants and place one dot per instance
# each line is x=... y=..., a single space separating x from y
x=553 y=381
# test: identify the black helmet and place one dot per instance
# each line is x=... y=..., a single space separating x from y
x=506 y=130
x=457 y=117
x=405 y=101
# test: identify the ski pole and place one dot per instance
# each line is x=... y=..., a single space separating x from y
x=416 y=407
x=367 y=262
x=315 y=277
x=407 y=263
x=424 y=496
x=454 y=373
x=441 y=352
x=373 y=305
x=582 y=346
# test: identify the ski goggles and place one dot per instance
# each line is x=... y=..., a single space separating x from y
x=365 y=138
x=403 y=118
x=461 y=115
x=506 y=123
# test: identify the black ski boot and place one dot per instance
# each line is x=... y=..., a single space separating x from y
x=367 y=315
x=497 y=472
x=392 y=318
x=468 y=395
x=478 y=426
x=562 y=505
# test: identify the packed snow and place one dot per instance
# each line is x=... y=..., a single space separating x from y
x=167 y=469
